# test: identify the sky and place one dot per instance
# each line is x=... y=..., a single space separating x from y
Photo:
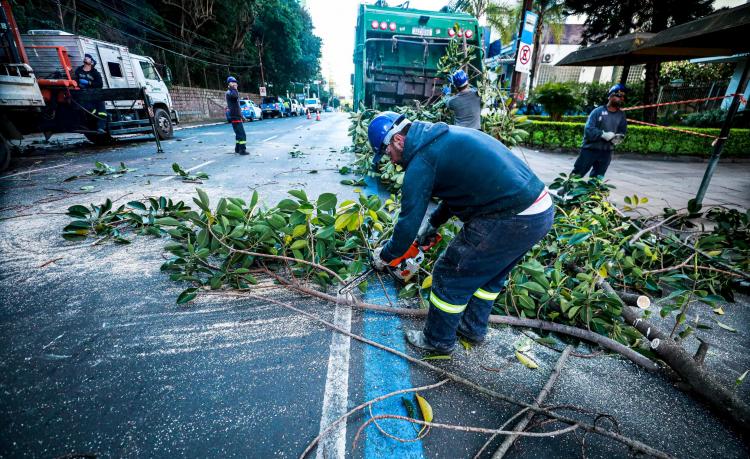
x=334 y=22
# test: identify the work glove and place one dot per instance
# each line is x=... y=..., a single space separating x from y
x=618 y=139
x=607 y=136
x=426 y=234
x=378 y=263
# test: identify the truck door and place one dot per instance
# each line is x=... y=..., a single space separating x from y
x=112 y=67
x=155 y=87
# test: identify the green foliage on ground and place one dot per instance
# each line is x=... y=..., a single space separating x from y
x=640 y=139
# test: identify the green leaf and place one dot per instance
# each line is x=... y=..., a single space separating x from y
x=725 y=327
x=187 y=295
x=203 y=198
x=167 y=221
x=300 y=244
x=326 y=233
x=341 y=221
x=137 y=205
x=533 y=286
x=299 y=231
x=78 y=210
x=326 y=202
x=299 y=194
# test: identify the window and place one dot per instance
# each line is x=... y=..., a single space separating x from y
x=149 y=72
x=115 y=70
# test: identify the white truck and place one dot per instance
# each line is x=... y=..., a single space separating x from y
x=119 y=69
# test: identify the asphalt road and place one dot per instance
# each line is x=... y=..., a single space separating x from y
x=96 y=358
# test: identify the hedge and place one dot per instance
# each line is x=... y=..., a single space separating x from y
x=565 y=118
x=640 y=139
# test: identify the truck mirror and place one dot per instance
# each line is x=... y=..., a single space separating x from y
x=167 y=75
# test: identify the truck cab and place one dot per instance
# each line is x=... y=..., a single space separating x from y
x=148 y=76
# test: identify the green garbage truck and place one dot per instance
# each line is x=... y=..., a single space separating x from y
x=397 y=51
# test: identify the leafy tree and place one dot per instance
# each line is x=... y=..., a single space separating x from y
x=695 y=74
x=606 y=19
x=557 y=99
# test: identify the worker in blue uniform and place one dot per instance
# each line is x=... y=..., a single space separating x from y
x=466 y=104
x=504 y=207
x=88 y=77
x=235 y=116
x=605 y=128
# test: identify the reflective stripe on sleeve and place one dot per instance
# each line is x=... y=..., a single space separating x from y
x=445 y=306
x=485 y=295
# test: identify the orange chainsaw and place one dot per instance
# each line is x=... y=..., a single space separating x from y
x=402 y=268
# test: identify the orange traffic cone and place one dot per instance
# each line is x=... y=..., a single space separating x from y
x=308 y=115
x=317 y=118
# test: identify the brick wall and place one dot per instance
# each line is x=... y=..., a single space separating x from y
x=198 y=104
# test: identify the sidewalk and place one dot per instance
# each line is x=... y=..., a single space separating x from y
x=664 y=183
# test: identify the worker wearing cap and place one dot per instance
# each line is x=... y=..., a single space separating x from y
x=466 y=104
x=88 y=77
x=604 y=129
x=235 y=116
x=504 y=207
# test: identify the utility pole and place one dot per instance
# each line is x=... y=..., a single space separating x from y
x=515 y=81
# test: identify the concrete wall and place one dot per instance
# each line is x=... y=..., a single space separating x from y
x=198 y=104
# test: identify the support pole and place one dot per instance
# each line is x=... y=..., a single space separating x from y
x=515 y=79
x=624 y=74
x=697 y=202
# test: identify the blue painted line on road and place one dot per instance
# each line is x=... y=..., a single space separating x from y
x=385 y=372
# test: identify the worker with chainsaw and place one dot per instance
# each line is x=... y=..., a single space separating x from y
x=466 y=104
x=605 y=128
x=504 y=207
x=88 y=77
x=235 y=116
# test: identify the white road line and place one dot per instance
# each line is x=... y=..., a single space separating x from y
x=188 y=170
x=336 y=395
x=190 y=138
x=34 y=170
x=300 y=126
x=272 y=137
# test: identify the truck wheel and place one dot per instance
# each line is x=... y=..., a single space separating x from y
x=4 y=154
x=163 y=124
x=100 y=139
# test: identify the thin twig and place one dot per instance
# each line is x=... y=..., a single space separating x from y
x=650 y=228
x=553 y=433
x=671 y=268
x=539 y=400
x=49 y=262
x=362 y=406
x=420 y=435
x=273 y=257
x=635 y=444
x=502 y=427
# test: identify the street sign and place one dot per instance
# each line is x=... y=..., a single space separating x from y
x=526 y=44
x=523 y=62
x=262 y=91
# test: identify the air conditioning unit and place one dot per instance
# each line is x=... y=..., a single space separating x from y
x=547 y=58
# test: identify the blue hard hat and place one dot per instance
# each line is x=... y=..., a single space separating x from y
x=231 y=79
x=619 y=87
x=460 y=79
x=93 y=61
x=378 y=130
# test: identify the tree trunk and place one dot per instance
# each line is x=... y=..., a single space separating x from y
x=650 y=90
x=678 y=359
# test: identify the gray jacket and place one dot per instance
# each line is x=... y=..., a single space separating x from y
x=602 y=120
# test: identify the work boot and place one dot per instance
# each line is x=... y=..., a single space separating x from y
x=243 y=151
x=471 y=340
x=417 y=339
x=236 y=148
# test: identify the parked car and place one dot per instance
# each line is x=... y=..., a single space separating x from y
x=250 y=111
x=312 y=104
x=273 y=106
x=329 y=109
x=297 y=108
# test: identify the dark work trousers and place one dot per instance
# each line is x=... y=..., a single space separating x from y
x=470 y=274
x=239 y=136
x=99 y=112
x=595 y=160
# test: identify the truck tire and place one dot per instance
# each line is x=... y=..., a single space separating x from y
x=164 y=127
x=4 y=154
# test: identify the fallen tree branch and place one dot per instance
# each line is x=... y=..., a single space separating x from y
x=510 y=439
x=587 y=335
x=671 y=268
x=678 y=359
x=362 y=406
x=502 y=427
x=634 y=444
x=649 y=229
